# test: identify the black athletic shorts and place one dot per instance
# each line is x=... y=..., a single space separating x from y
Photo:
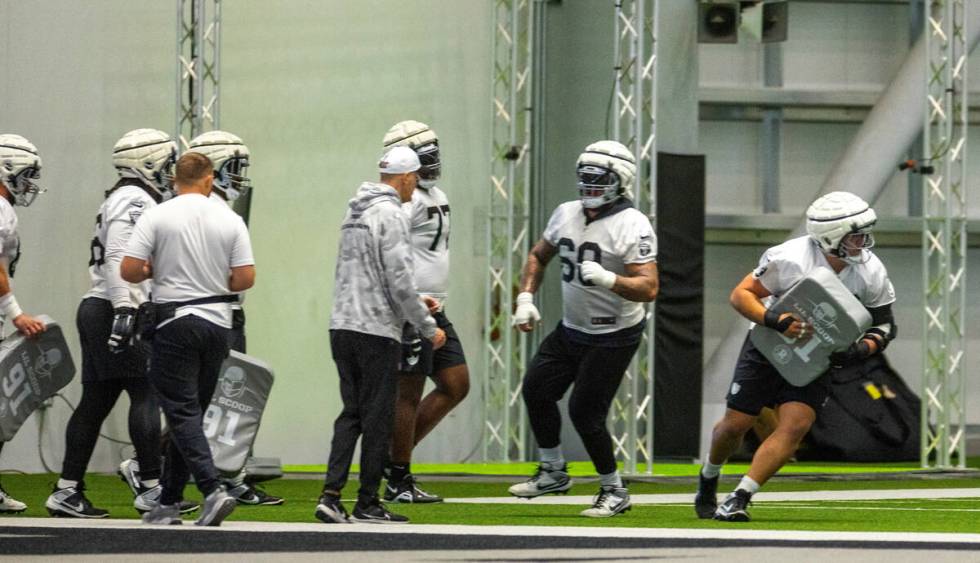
x=94 y=323
x=419 y=358
x=757 y=384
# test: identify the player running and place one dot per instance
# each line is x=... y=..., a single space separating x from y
x=839 y=238
x=607 y=249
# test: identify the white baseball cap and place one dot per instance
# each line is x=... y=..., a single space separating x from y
x=399 y=160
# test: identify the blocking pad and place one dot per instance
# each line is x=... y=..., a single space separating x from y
x=837 y=318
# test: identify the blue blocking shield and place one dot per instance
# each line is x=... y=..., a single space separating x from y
x=837 y=318
x=232 y=419
x=31 y=371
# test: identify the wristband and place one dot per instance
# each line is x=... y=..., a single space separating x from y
x=9 y=307
x=771 y=320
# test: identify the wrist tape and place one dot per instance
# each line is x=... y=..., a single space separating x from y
x=9 y=307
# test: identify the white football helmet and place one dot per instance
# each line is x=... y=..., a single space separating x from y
x=147 y=155
x=606 y=170
x=230 y=157
x=20 y=165
x=423 y=140
x=833 y=217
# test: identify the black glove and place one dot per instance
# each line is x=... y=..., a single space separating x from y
x=771 y=320
x=122 y=329
x=854 y=353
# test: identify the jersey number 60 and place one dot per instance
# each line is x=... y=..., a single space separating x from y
x=566 y=252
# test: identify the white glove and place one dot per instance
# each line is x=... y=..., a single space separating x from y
x=526 y=312
x=595 y=273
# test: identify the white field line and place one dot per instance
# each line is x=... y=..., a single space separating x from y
x=831 y=538
x=681 y=498
x=835 y=508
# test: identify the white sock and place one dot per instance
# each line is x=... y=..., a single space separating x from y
x=710 y=470
x=747 y=484
x=551 y=457
x=65 y=483
x=611 y=480
x=150 y=483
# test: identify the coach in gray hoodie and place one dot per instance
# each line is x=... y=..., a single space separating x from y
x=374 y=295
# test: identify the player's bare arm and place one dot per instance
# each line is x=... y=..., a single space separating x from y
x=747 y=298
x=26 y=324
x=242 y=278
x=134 y=270
x=641 y=282
x=526 y=315
x=537 y=261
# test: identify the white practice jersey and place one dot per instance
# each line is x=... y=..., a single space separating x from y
x=215 y=197
x=113 y=227
x=193 y=243
x=9 y=238
x=428 y=213
x=782 y=266
x=620 y=236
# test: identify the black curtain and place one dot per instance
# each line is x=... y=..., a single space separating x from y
x=679 y=335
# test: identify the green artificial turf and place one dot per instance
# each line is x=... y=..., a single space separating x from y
x=585 y=469
x=919 y=515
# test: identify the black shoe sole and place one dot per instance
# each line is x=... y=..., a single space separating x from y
x=705 y=511
x=66 y=514
x=276 y=502
x=397 y=500
x=732 y=518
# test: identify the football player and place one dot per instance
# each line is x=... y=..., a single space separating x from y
x=111 y=363
x=20 y=166
x=230 y=157
x=607 y=249
x=416 y=416
x=839 y=238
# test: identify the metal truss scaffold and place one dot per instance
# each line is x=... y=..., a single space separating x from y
x=198 y=68
x=634 y=125
x=505 y=350
x=944 y=239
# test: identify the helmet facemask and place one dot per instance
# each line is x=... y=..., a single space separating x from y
x=860 y=241
x=231 y=179
x=23 y=187
x=431 y=168
x=163 y=178
x=597 y=186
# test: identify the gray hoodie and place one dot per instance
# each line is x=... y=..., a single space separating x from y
x=374 y=285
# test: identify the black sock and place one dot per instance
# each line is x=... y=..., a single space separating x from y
x=399 y=471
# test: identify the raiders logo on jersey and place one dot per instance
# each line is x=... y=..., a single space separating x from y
x=618 y=237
